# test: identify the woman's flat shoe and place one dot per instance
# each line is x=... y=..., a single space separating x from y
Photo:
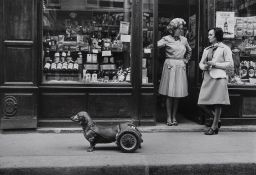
x=169 y=123
x=175 y=123
x=211 y=131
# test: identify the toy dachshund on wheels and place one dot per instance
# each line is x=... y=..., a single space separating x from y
x=127 y=137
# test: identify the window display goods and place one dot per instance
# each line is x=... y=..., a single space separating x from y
x=238 y=21
x=83 y=44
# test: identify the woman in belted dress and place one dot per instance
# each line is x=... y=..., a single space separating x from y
x=174 y=78
x=214 y=91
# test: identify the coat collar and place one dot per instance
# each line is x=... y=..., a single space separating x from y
x=219 y=44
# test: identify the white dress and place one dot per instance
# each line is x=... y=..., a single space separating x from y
x=174 y=78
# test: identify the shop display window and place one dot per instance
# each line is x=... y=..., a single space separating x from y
x=86 y=42
x=238 y=21
x=148 y=26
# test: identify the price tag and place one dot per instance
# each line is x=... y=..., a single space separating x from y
x=144 y=80
x=106 y=53
x=89 y=58
x=94 y=58
x=147 y=50
x=144 y=62
x=124 y=27
x=126 y=38
x=95 y=51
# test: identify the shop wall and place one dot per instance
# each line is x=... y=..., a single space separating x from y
x=18 y=81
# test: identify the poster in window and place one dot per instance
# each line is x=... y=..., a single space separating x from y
x=226 y=21
x=124 y=27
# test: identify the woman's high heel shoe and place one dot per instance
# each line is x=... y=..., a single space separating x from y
x=211 y=131
x=219 y=124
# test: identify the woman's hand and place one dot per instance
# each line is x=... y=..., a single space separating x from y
x=185 y=61
x=206 y=67
x=211 y=63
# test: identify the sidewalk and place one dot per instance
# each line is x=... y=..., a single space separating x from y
x=158 y=128
x=185 y=125
x=179 y=153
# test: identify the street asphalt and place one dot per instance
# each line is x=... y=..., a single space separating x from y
x=162 y=153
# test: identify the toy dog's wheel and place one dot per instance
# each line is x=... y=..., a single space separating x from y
x=128 y=142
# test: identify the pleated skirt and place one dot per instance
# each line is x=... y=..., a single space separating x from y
x=174 y=79
x=213 y=91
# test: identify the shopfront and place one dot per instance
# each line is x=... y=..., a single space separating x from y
x=59 y=57
x=238 y=21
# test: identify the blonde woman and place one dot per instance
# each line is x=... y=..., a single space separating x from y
x=173 y=83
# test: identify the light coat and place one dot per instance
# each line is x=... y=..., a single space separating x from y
x=222 y=58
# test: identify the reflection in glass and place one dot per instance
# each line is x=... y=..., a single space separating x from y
x=147 y=59
x=243 y=41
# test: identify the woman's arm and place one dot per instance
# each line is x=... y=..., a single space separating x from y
x=161 y=43
x=188 y=52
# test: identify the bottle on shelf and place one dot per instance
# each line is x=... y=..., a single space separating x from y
x=47 y=55
x=56 y=57
x=94 y=76
x=63 y=57
x=53 y=44
x=80 y=58
x=244 y=70
x=47 y=61
x=128 y=75
x=70 y=66
x=254 y=66
x=69 y=58
x=75 y=67
x=53 y=67
x=48 y=40
x=47 y=66
x=251 y=70
x=64 y=66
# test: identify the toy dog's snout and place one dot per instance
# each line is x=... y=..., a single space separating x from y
x=74 y=118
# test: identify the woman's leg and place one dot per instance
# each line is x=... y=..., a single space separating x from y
x=169 y=103
x=175 y=108
x=217 y=113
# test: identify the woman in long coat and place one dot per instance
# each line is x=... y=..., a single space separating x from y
x=214 y=91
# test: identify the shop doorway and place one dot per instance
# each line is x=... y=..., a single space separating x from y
x=189 y=11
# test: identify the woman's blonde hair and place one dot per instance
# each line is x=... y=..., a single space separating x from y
x=174 y=24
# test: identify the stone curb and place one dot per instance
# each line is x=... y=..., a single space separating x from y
x=186 y=169
x=156 y=129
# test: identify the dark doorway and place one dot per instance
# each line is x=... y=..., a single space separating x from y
x=189 y=11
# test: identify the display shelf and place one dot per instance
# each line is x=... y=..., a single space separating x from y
x=112 y=10
x=253 y=57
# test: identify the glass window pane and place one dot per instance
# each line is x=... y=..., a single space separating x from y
x=147 y=59
x=86 y=42
x=240 y=36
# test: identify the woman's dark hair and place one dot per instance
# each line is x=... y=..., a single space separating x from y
x=218 y=32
